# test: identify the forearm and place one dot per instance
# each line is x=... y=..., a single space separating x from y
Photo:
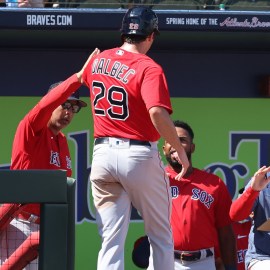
x=60 y=93
x=165 y=127
x=39 y=116
x=242 y=207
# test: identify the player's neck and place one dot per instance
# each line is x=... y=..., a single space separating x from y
x=135 y=48
x=54 y=128
x=188 y=173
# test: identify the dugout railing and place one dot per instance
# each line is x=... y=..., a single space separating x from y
x=56 y=194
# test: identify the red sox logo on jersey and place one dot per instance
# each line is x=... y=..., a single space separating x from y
x=203 y=196
x=174 y=191
x=197 y=194
x=54 y=159
x=68 y=160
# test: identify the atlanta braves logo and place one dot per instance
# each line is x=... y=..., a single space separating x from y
x=203 y=196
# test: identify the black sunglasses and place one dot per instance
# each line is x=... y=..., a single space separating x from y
x=74 y=107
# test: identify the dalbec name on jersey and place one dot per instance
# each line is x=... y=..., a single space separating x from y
x=115 y=69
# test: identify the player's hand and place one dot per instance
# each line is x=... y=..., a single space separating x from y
x=79 y=74
x=181 y=157
x=24 y=3
x=259 y=180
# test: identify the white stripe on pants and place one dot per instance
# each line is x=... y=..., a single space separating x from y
x=259 y=265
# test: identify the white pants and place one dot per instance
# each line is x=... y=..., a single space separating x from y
x=259 y=265
x=123 y=175
x=13 y=236
x=204 y=264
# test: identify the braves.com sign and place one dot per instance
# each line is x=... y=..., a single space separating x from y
x=49 y=20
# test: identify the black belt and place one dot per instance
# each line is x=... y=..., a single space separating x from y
x=105 y=140
x=191 y=255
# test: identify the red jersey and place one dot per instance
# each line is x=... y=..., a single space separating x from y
x=123 y=87
x=34 y=145
x=247 y=199
x=241 y=230
x=200 y=204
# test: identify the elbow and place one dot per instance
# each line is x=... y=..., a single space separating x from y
x=155 y=111
x=158 y=113
x=236 y=216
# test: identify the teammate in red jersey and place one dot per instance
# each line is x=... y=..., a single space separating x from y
x=131 y=110
x=200 y=213
x=39 y=143
x=256 y=200
x=241 y=230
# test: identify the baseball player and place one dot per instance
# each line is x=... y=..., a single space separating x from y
x=39 y=144
x=131 y=110
x=241 y=230
x=200 y=214
x=256 y=200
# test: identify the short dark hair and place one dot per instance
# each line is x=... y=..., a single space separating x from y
x=184 y=125
x=133 y=39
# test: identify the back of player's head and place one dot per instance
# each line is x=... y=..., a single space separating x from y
x=139 y=21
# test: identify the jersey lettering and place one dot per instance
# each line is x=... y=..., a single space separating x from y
x=202 y=196
x=68 y=160
x=116 y=96
x=116 y=69
x=174 y=191
x=100 y=66
x=241 y=255
x=55 y=160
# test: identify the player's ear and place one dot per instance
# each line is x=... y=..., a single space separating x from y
x=163 y=148
x=151 y=36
